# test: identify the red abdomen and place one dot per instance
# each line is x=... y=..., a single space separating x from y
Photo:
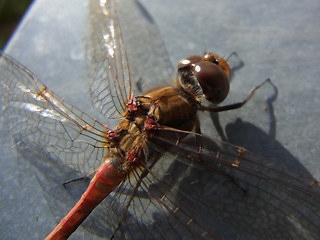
x=107 y=178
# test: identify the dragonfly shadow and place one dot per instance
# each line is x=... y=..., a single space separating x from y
x=256 y=140
x=51 y=176
x=253 y=204
x=249 y=136
x=250 y=207
x=235 y=62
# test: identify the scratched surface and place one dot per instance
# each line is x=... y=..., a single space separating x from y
x=271 y=40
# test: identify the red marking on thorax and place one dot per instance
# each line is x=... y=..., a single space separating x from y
x=132 y=156
x=150 y=124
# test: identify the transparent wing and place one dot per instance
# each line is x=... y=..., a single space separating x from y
x=258 y=195
x=202 y=188
x=149 y=207
x=107 y=60
x=37 y=116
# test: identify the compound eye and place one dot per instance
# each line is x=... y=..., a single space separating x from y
x=214 y=58
x=213 y=81
x=189 y=61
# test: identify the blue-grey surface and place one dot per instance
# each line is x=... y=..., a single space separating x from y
x=280 y=40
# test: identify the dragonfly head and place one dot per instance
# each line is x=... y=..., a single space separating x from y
x=207 y=75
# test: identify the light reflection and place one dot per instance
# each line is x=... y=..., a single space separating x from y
x=106 y=37
x=39 y=110
x=111 y=28
x=102 y=4
x=24 y=89
x=185 y=61
x=108 y=44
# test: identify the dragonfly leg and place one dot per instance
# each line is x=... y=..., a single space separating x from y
x=86 y=178
x=234 y=105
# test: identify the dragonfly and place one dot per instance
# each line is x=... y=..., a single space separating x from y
x=161 y=178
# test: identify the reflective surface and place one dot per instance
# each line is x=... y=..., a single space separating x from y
x=254 y=109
